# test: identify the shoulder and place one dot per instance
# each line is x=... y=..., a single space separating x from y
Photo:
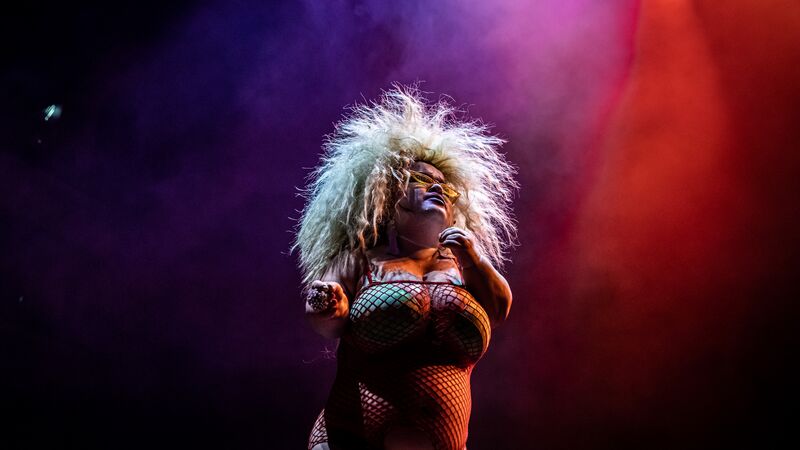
x=378 y=253
x=345 y=269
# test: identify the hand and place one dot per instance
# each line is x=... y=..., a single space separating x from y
x=462 y=244
x=327 y=298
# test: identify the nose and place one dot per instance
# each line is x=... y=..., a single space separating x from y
x=436 y=187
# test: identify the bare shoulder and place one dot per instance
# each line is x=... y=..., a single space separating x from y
x=379 y=253
x=379 y=258
x=345 y=269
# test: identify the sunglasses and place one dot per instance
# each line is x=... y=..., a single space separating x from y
x=425 y=180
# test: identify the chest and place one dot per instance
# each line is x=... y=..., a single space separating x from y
x=442 y=315
x=440 y=267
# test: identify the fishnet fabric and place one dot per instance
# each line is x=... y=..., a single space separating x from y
x=406 y=360
x=388 y=314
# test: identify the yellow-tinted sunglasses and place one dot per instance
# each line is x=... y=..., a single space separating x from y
x=447 y=189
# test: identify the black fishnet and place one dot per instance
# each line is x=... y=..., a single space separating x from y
x=406 y=360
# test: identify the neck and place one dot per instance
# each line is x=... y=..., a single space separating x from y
x=414 y=232
x=423 y=238
x=409 y=246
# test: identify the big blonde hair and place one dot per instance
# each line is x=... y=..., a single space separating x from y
x=352 y=194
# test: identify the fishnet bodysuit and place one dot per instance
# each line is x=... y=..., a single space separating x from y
x=405 y=360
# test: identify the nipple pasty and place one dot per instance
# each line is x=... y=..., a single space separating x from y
x=386 y=315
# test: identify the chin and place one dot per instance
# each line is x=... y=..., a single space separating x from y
x=435 y=212
x=429 y=207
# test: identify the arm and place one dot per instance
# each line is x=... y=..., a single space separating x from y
x=337 y=284
x=481 y=278
x=489 y=288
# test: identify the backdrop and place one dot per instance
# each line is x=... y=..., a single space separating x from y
x=149 y=172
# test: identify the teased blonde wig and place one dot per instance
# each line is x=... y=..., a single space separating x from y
x=352 y=194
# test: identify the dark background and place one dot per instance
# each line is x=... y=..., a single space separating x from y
x=147 y=297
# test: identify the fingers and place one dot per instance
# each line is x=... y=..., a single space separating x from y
x=451 y=231
x=336 y=290
x=455 y=237
x=454 y=232
x=450 y=243
x=460 y=242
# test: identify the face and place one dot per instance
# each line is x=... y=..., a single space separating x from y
x=427 y=199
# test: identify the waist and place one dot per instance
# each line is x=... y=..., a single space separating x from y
x=423 y=387
x=406 y=357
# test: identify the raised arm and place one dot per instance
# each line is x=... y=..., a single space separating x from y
x=490 y=288
x=483 y=281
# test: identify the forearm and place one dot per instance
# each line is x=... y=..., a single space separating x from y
x=489 y=288
x=327 y=308
x=327 y=326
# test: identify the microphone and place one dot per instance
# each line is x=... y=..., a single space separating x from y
x=320 y=298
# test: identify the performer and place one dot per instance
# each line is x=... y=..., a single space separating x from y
x=407 y=222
